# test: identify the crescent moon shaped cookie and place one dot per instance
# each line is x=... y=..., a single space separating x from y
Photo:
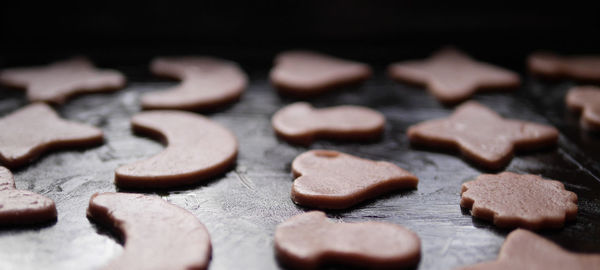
x=22 y=207
x=306 y=73
x=481 y=135
x=206 y=83
x=524 y=250
x=580 y=67
x=58 y=81
x=334 y=180
x=300 y=123
x=157 y=234
x=35 y=129
x=586 y=100
x=197 y=149
x=519 y=200
x=451 y=76
x=310 y=240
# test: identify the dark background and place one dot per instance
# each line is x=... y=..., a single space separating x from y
x=252 y=31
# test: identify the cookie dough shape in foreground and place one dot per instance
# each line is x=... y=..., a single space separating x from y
x=334 y=180
x=35 y=129
x=551 y=65
x=157 y=234
x=586 y=100
x=300 y=123
x=22 y=207
x=306 y=73
x=512 y=200
x=206 y=83
x=524 y=250
x=58 y=81
x=311 y=240
x=197 y=149
x=482 y=136
x=451 y=76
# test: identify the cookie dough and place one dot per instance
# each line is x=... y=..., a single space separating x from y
x=157 y=234
x=551 y=65
x=451 y=76
x=35 y=129
x=334 y=180
x=481 y=135
x=306 y=73
x=22 y=207
x=57 y=82
x=197 y=149
x=206 y=83
x=310 y=240
x=524 y=250
x=512 y=200
x=300 y=123
x=586 y=100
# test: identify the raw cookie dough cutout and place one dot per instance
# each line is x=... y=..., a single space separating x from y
x=35 y=129
x=524 y=250
x=197 y=149
x=512 y=200
x=157 y=234
x=586 y=100
x=22 y=207
x=58 y=81
x=306 y=73
x=334 y=180
x=300 y=123
x=451 y=76
x=206 y=83
x=311 y=240
x=482 y=136
x=551 y=65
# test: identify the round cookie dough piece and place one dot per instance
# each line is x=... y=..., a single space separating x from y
x=157 y=234
x=306 y=73
x=334 y=180
x=310 y=240
x=512 y=200
x=197 y=149
x=22 y=207
x=300 y=123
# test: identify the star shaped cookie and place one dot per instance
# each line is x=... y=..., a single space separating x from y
x=58 y=81
x=36 y=128
x=586 y=100
x=519 y=200
x=524 y=250
x=481 y=135
x=452 y=76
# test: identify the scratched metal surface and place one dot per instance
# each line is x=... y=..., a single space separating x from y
x=242 y=207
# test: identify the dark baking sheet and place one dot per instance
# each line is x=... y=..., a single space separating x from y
x=242 y=207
